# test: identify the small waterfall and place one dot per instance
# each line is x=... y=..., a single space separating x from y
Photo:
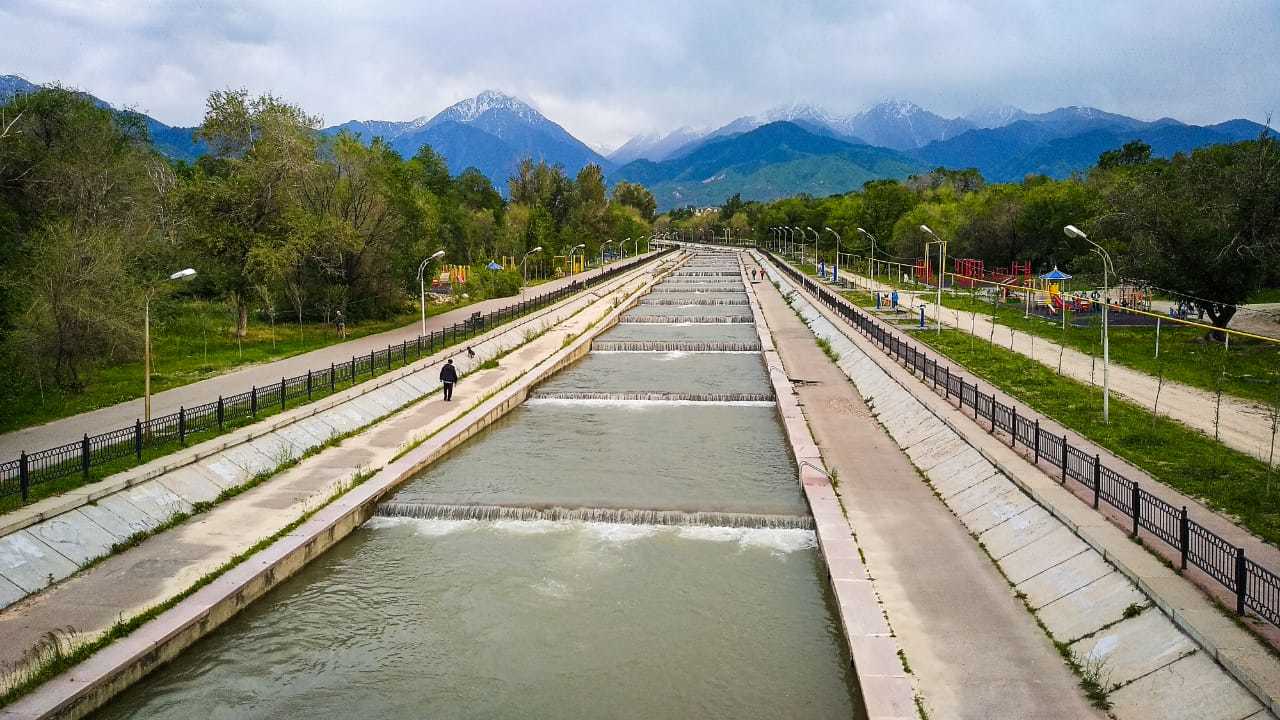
x=690 y=319
x=700 y=290
x=672 y=346
x=706 y=273
x=429 y=511
x=687 y=301
x=651 y=396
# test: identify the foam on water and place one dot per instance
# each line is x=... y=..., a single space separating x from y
x=422 y=527
x=643 y=404
x=779 y=540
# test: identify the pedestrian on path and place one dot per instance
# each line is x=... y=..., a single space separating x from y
x=893 y=299
x=448 y=376
x=341 y=323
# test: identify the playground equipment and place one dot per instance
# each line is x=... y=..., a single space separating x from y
x=970 y=272
x=569 y=264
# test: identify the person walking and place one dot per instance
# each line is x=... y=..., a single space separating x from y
x=448 y=376
x=893 y=298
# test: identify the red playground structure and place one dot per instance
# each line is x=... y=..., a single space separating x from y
x=970 y=272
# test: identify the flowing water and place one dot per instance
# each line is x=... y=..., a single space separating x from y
x=629 y=543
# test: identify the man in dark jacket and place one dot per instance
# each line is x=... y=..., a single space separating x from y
x=448 y=376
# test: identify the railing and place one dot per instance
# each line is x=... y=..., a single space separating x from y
x=80 y=457
x=1255 y=587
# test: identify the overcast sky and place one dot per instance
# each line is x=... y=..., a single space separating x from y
x=607 y=70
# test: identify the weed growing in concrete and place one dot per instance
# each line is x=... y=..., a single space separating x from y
x=489 y=364
x=827 y=350
x=906 y=666
x=1095 y=678
x=1133 y=610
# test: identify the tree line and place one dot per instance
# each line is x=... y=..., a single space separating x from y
x=1205 y=223
x=276 y=217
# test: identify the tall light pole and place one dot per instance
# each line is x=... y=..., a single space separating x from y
x=816 y=252
x=645 y=238
x=801 y=246
x=623 y=246
x=1107 y=267
x=573 y=251
x=524 y=263
x=872 y=266
x=839 y=240
x=422 y=286
x=942 y=272
x=602 y=246
x=146 y=341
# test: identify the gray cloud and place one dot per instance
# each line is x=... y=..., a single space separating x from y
x=607 y=71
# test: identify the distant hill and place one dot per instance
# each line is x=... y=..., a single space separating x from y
x=772 y=161
x=1070 y=140
x=178 y=143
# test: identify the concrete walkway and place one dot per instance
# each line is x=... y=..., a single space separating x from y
x=976 y=652
x=1243 y=425
x=1083 y=577
x=241 y=379
x=122 y=585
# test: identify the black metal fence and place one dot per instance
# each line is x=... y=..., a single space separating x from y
x=1255 y=588
x=17 y=476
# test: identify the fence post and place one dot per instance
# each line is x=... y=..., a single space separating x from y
x=388 y=357
x=1184 y=535
x=281 y=394
x=182 y=426
x=308 y=384
x=1242 y=581
x=1013 y=436
x=947 y=386
x=1097 y=479
x=137 y=439
x=1137 y=507
x=1037 y=443
x=353 y=369
x=333 y=378
x=24 y=475
x=220 y=412
x=253 y=401
x=1064 y=459
x=84 y=456
x=372 y=374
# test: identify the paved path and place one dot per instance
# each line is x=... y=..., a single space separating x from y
x=241 y=379
x=976 y=651
x=1244 y=425
x=163 y=565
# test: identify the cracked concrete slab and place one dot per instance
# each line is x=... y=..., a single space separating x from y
x=1193 y=688
x=29 y=563
x=1064 y=579
x=74 y=536
x=1058 y=546
x=1000 y=508
x=1135 y=647
x=1019 y=531
x=1093 y=606
x=977 y=495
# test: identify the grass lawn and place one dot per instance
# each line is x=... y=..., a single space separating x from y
x=1228 y=481
x=191 y=340
x=1250 y=369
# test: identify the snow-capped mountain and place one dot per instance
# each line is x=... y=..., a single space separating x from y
x=996 y=116
x=901 y=125
x=655 y=146
x=492 y=132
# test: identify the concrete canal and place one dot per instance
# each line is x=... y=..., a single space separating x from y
x=629 y=543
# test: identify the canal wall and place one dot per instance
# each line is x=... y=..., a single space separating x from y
x=1067 y=576
x=88 y=685
x=50 y=540
x=885 y=687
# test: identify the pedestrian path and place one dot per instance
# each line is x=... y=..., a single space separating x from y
x=241 y=379
x=981 y=658
x=1240 y=424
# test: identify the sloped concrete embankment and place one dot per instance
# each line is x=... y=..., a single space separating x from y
x=48 y=541
x=1147 y=665
x=90 y=684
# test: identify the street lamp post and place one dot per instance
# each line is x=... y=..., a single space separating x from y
x=872 y=265
x=836 y=275
x=422 y=286
x=574 y=251
x=602 y=246
x=1107 y=267
x=524 y=263
x=623 y=247
x=817 y=252
x=146 y=342
x=942 y=272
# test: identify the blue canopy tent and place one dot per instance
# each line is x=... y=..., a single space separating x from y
x=1055 y=274
x=493 y=265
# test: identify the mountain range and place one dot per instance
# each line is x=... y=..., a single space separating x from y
x=787 y=150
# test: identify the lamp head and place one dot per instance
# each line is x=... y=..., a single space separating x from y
x=436 y=255
x=1072 y=231
x=183 y=274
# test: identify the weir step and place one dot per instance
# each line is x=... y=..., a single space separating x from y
x=690 y=319
x=699 y=289
x=672 y=346
x=693 y=301
x=706 y=273
x=651 y=396
x=628 y=516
